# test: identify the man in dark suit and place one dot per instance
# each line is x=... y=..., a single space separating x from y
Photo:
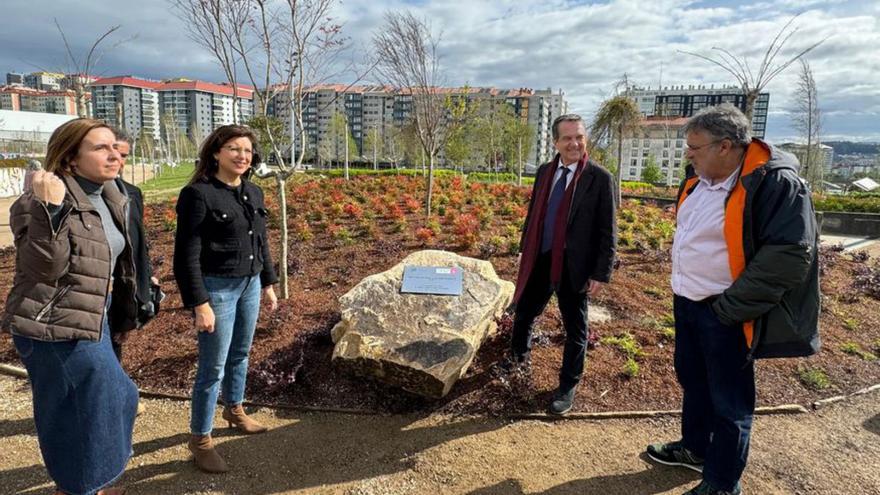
x=568 y=247
x=140 y=248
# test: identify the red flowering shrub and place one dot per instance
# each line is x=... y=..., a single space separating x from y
x=466 y=230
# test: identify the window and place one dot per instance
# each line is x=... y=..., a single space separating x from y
x=635 y=153
x=634 y=163
x=665 y=153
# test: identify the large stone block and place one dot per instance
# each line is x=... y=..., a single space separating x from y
x=421 y=343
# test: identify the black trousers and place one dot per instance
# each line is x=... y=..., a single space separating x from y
x=572 y=306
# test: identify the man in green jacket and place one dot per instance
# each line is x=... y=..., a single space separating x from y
x=746 y=282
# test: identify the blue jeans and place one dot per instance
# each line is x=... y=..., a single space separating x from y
x=84 y=409
x=719 y=391
x=223 y=353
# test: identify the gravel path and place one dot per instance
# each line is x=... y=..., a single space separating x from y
x=833 y=451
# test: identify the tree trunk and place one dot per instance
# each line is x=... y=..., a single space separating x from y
x=430 y=187
x=346 y=153
x=282 y=262
x=519 y=170
x=619 y=174
x=751 y=98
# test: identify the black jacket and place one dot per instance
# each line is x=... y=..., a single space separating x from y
x=139 y=247
x=779 y=288
x=221 y=232
x=591 y=232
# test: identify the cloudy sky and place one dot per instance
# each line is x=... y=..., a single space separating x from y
x=580 y=47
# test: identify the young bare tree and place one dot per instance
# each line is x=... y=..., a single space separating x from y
x=807 y=121
x=406 y=51
x=278 y=45
x=80 y=67
x=752 y=83
x=211 y=24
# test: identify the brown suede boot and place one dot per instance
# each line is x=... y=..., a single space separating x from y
x=237 y=418
x=206 y=458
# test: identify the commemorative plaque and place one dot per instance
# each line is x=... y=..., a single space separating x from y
x=436 y=280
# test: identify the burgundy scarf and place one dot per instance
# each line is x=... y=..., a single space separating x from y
x=535 y=228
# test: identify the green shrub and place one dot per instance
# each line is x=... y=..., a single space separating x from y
x=857 y=204
x=851 y=324
x=855 y=349
x=814 y=378
x=631 y=368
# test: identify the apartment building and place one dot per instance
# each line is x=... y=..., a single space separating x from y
x=822 y=154
x=46 y=81
x=660 y=140
x=681 y=101
x=129 y=102
x=195 y=108
x=383 y=108
x=22 y=99
x=198 y=107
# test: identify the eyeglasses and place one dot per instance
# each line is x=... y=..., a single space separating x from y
x=239 y=150
x=698 y=148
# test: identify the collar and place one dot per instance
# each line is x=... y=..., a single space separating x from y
x=224 y=185
x=571 y=166
x=726 y=184
x=89 y=187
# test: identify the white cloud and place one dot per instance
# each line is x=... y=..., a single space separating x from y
x=577 y=46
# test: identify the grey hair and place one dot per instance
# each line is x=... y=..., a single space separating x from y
x=121 y=134
x=569 y=117
x=724 y=121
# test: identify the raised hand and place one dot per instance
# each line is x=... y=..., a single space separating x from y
x=48 y=187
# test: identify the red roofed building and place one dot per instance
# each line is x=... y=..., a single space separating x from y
x=195 y=107
x=199 y=107
x=128 y=101
x=19 y=98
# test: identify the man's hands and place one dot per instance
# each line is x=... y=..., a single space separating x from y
x=594 y=287
x=47 y=187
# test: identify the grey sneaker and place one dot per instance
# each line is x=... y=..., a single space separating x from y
x=706 y=489
x=675 y=454
x=563 y=400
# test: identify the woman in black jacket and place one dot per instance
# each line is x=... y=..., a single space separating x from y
x=221 y=263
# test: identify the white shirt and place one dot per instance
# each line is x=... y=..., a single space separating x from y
x=700 y=266
x=568 y=178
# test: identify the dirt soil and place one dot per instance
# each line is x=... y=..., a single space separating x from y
x=834 y=451
x=343 y=231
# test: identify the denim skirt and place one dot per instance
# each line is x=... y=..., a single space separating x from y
x=84 y=410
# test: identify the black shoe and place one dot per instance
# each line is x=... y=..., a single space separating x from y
x=675 y=454
x=514 y=362
x=706 y=489
x=563 y=400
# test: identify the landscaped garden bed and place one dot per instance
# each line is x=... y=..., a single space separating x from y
x=342 y=231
